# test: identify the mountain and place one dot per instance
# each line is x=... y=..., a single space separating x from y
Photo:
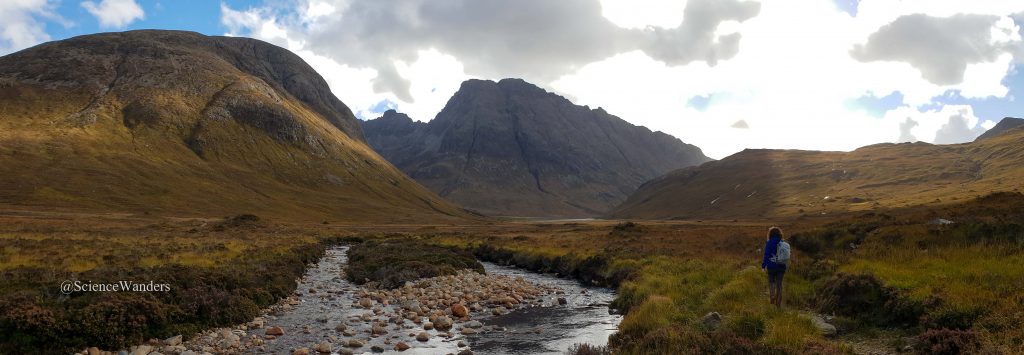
x=180 y=123
x=510 y=148
x=775 y=183
x=1006 y=124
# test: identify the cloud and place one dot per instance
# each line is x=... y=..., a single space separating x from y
x=940 y=47
x=905 y=127
x=21 y=25
x=537 y=40
x=741 y=124
x=688 y=68
x=114 y=13
x=958 y=129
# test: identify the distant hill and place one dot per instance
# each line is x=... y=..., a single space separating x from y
x=510 y=148
x=180 y=123
x=1003 y=126
x=773 y=183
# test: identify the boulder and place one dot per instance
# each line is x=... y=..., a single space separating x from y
x=402 y=346
x=142 y=350
x=711 y=320
x=301 y=351
x=459 y=311
x=324 y=347
x=275 y=331
x=365 y=302
x=443 y=323
x=823 y=326
x=173 y=341
x=423 y=336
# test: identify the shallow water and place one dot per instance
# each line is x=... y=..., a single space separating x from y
x=548 y=329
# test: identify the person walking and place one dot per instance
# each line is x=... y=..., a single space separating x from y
x=776 y=259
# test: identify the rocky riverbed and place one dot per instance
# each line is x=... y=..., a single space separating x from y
x=504 y=311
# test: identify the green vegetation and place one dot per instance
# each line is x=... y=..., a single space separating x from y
x=216 y=278
x=887 y=276
x=392 y=263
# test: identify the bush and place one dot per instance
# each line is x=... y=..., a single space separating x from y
x=950 y=317
x=947 y=342
x=865 y=298
x=626 y=229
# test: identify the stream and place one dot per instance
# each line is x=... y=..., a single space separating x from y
x=326 y=299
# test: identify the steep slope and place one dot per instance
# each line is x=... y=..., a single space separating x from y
x=512 y=149
x=773 y=183
x=181 y=123
x=1004 y=125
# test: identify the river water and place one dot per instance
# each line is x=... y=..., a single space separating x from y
x=550 y=328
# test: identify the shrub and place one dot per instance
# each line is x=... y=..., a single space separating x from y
x=865 y=298
x=950 y=317
x=947 y=342
x=626 y=229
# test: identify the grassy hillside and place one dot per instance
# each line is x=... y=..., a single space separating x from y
x=775 y=183
x=178 y=123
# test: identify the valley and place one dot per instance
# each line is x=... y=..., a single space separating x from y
x=225 y=170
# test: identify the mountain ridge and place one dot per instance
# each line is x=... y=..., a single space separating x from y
x=768 y=183
x=175 y=122
x=511 y=148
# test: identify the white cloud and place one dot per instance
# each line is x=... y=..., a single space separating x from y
x=788 y=75
x=114 y=13
x=20 y=23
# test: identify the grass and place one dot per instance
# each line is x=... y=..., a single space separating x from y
x=899 y=277
x=392 y=263
x=218 y=277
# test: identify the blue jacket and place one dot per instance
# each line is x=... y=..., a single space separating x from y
x=769 y=251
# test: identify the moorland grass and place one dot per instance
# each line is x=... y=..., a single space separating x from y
x=392 y=263
x=216 y=277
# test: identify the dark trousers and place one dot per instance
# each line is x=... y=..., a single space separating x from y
x=775 y=286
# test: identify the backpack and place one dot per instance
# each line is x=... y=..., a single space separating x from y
x=781 y=253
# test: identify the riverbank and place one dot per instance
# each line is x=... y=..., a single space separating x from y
x=502 y=309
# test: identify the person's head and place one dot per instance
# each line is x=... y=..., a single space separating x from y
x=774 y=232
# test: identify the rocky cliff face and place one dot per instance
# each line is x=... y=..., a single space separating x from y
x=184 y=123
x=510 y=148
x=1004 y=125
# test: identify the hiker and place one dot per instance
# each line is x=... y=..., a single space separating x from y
x=776 y=258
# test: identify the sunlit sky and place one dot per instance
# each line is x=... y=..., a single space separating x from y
x=721 y=74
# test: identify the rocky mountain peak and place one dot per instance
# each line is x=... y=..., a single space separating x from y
x=512 y=148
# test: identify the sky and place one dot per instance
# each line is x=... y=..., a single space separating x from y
x=724 y=75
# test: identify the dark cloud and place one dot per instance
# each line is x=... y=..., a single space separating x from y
x=905 y=127
x=538 y=40
x=957 y=131
x=940 y=47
